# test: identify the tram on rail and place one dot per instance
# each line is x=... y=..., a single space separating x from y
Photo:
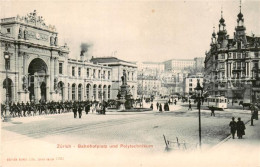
x=217 y=102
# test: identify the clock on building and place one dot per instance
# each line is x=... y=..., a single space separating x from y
x=38 y=36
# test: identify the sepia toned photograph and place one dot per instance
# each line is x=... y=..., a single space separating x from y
x=130 y=83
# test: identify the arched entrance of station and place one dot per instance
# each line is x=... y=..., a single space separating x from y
x=37 y=71
x=9 y=86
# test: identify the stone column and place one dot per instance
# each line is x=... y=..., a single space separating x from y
x=246 y=68
x=249 y=64
x=65 y=91
x=56 y=66
x=47 y=79
x=107 y=93
x=90 y=92
x=225 y=68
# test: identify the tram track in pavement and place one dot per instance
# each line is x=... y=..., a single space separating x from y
x=36 y=134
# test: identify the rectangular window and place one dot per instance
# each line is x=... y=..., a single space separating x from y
x=7 y=64
x=104 y=74
x=60 y=68
x=128 y=74
x=234 y=55
x=99 y=74
x=73 y=71
x=132 y=76
x=256 y=54
x=8 y=30
x=190 y=84
x=229 y=55
x=108 y=74
x=79 y=71
x=223 y=56
x=87 y=72
x=239 y=55
x=190 y=89
x=238 y=65
x=94 y=73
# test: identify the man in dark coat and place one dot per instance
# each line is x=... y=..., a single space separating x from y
x=75 y=109
x=80 y=108
x=157 y=105
x=87 y=108
x=240 y=128
x=160 y=107
x=212 y=111
x=233 y=127
x=151 y=106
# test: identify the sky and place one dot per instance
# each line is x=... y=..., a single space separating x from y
x=138 y=30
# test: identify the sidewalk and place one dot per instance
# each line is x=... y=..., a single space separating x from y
x=241 y=152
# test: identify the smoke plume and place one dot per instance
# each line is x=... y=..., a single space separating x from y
x=84 y=48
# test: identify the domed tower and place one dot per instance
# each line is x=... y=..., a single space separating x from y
x=213 y=38
x=222 y=33
x=240 y=35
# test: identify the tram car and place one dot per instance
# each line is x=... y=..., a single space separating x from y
x=218 y=102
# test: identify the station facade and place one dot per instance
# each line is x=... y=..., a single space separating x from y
x=41 y=69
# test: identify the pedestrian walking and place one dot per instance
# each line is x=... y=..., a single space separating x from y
x=157 y=105
x=212 y=111
x=87 y=108
x=80 y=110
x=160 y=107
x=151 y=106
x=240 y=128
x=190 y=107
x=75 y=109
x=233 y=127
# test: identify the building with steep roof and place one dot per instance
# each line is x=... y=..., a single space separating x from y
x=232 y=65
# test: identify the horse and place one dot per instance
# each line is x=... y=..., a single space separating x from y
x=245 y=104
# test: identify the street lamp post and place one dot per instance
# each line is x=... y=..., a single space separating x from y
x=7 y=112
x=199 y=91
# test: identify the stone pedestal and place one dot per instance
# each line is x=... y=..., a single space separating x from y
x=125 y=95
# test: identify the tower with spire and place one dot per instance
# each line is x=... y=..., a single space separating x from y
x=240 y=34
x=222 y=32
x=233 y=62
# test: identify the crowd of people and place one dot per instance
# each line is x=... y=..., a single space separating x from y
x=31 y=109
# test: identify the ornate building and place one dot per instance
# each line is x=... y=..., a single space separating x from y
x=232 y=65
x=40 y=69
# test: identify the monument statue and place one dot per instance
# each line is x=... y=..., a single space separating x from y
x=56 y=40
x=51 y=40
x=56 y=84
x=124 y=79
x=26 y=34
x=20 y=35
x=25 y=83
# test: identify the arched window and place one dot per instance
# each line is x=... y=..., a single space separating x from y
x=73 y=92
x=100 y=92
x=88 y=91
x=79 y=92
x=8 y=85
x=109 y=92
x=104 y=92
x=95 y=92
